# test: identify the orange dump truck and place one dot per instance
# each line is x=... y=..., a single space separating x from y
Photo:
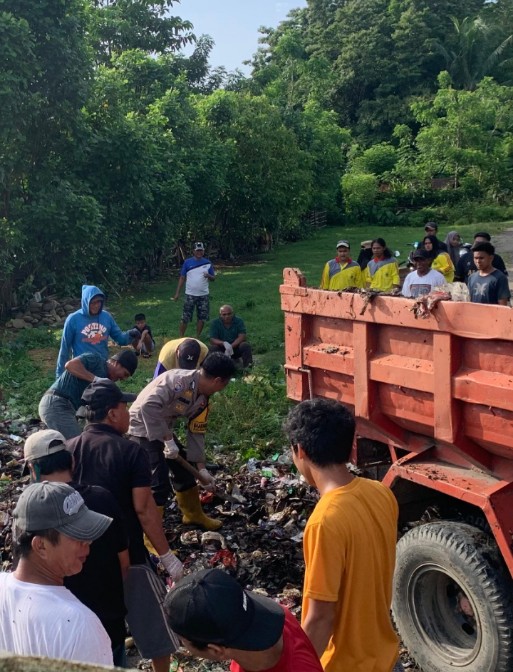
x=433 y=399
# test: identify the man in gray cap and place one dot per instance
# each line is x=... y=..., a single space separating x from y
x=59 y=404
x=100 y=583
x=52 y=532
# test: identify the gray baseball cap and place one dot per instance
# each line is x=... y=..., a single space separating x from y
x=58 y=506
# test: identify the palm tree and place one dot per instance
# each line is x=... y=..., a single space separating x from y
x=474 y=54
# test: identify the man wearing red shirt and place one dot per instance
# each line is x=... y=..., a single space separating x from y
x=216 y=619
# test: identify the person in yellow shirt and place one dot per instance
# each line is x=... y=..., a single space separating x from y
x=341 y=272
x=349 y=545
x=181 y=353
x=442 y=262
x=382 y=271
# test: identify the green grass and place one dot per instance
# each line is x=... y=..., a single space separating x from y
x=247 y=416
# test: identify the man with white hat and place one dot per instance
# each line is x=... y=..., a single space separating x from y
x=196 y=273
x=341 y=272
x=52 y=532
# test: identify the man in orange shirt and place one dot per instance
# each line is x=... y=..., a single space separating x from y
x=349 y=545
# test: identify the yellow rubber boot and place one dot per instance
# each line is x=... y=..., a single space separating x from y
x=190 y=506
x=147 y=542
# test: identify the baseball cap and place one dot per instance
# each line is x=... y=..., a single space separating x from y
x=431 y=225
x=58 y=506
x=127 y=359
x=188 y=354
x=343 y=243
x=212 y=608
x=104 y=394
x=199 y=246
x=421 y=254
x=40 y=444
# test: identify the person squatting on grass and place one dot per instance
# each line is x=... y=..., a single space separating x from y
x=228 y=335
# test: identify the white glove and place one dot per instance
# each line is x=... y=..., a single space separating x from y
x=99 y=379
x=207 y=480
x=171 y=450
x=172 y=565
x=228 y=348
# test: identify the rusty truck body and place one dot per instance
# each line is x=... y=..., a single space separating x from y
x=433 y=400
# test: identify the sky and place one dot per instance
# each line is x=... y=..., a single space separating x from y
x=233 y=24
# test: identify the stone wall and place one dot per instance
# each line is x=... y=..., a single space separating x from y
x=49 y=312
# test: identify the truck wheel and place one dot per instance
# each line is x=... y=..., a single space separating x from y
x=452 y=599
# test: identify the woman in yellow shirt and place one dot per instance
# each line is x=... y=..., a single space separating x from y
x=382 y=271
x=442 y=262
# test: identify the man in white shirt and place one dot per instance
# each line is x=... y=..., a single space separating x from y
x=52 y=531
x=423 y=279
x=196 y=273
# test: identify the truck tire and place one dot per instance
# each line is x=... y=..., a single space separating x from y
x=452 y=600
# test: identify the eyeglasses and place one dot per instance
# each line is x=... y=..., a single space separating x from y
x=224 y=314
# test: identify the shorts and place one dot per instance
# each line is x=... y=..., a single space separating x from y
x=202 y=304
x=144 y=599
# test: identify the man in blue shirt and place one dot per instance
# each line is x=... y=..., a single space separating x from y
x=228 y=335
x=89 y=329
x=197 y=272
x=59 y=404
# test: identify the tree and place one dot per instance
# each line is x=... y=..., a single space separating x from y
x=478 y=50
x=121 y=25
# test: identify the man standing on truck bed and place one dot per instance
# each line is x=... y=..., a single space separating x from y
x=423 y=279
x=488 y=285
x=349 y=545
x=341 y=272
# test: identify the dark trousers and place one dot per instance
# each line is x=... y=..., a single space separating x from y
x=161 y=469
x=242 y=351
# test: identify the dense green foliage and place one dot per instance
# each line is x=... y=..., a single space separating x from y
x=115 y=148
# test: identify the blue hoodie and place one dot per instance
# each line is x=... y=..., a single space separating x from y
x=89 y=333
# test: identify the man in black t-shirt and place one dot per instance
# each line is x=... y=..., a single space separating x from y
x=104 y=457
x=466 y=266
x=488 y=285
x=100 y=583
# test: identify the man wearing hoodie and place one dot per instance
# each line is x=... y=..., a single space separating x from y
x=89 y=329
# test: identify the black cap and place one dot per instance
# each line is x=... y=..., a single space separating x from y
x=422 y=254
x=188 y=354
x=104 y=394
x=431 y=225
x=127 y=359
x=212 y=608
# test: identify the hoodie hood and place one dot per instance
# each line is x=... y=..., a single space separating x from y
x=88 y=291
